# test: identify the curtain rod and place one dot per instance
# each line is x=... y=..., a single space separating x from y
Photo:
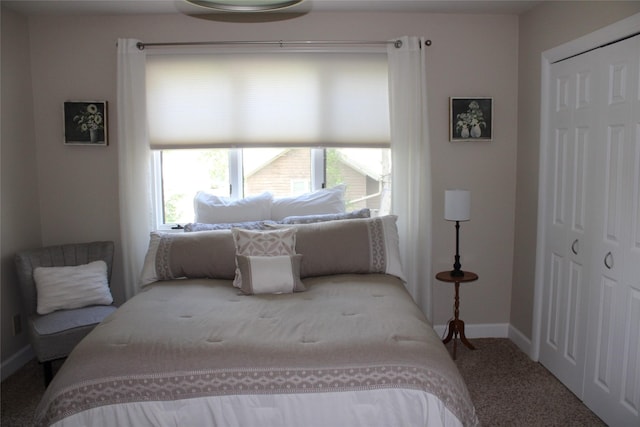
x=281 y=43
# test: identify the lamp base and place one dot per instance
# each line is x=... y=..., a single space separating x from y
x=457 y=272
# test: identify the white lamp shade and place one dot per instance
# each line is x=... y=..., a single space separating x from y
x=457 y=205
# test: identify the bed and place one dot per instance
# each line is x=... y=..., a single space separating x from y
x=342 y=345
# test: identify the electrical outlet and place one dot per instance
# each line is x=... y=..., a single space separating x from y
x=17 y=325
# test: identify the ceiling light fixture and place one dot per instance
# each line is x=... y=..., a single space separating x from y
x=245 y=5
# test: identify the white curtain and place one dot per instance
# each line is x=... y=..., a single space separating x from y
x=133 y=162
x=411 y=165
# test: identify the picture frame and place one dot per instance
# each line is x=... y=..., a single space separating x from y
x=470 y=119
x=85 y=123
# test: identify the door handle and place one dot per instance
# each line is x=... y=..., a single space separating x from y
x=608 y=260
x=574 y=247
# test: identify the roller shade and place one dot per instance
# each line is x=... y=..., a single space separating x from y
x=267 y=99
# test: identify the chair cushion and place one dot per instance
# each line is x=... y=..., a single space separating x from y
x=62 y=320
x=53 y=336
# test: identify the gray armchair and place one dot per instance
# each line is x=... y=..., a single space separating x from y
x=54 y=335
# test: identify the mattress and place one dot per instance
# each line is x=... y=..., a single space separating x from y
x=353 y=349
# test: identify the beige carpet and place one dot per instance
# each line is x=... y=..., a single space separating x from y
x=507 y=388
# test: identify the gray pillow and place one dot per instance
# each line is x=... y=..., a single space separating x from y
x=245 y=225
x=358 y=246
x=308 y=219
x=204 y=254
x=367 y=245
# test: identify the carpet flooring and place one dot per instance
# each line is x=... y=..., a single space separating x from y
x=507 y=389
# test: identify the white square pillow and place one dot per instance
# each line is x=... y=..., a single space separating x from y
x=325 y=201
x=70 y=287
x=211 y=209
x=270 y=274
x=262 y=243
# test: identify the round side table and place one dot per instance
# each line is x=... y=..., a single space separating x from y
x=456 y=326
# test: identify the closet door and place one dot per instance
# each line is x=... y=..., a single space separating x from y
x=572 y=119
x=612 y=376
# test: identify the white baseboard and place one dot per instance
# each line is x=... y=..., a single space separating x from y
x=492 y=330
x=16 y=361
x=521 y=341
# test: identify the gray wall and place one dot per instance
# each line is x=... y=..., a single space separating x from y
x=19 y=204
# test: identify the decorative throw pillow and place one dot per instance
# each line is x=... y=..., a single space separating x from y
x=205 y=254
x=213 y=209
x=325 y=201
x=308 y=219
x=60 y=288
x=368 y=245
x=270 y=274
x=263 y=243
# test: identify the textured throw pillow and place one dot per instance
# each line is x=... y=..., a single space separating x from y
x=60 y=288
x=263 y=243
x=212 y=209
x=308 y=219
x=205 y=254
x=325 y=201
x=368 y=245
x=270 y=274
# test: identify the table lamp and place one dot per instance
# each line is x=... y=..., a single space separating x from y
x=457 y=207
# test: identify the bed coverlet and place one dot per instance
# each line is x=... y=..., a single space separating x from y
x=193 y=339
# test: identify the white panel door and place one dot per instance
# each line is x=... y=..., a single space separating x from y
x=612 y=375
x=572 y=115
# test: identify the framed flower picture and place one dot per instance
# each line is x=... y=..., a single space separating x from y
x=470 y=119
x=85 y=123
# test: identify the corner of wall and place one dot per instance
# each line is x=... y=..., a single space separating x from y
x=20 y=208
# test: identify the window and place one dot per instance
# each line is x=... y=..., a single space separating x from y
x=281 y=171
x=237 y=124
x=299 y=186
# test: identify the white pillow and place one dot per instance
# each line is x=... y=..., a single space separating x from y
x=71 y=287
x=325 y=201
x=212 y=209
x=270 y=274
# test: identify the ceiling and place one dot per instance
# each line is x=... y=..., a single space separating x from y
x=125 y=7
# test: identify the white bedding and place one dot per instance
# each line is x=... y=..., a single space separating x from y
x=365 y=408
